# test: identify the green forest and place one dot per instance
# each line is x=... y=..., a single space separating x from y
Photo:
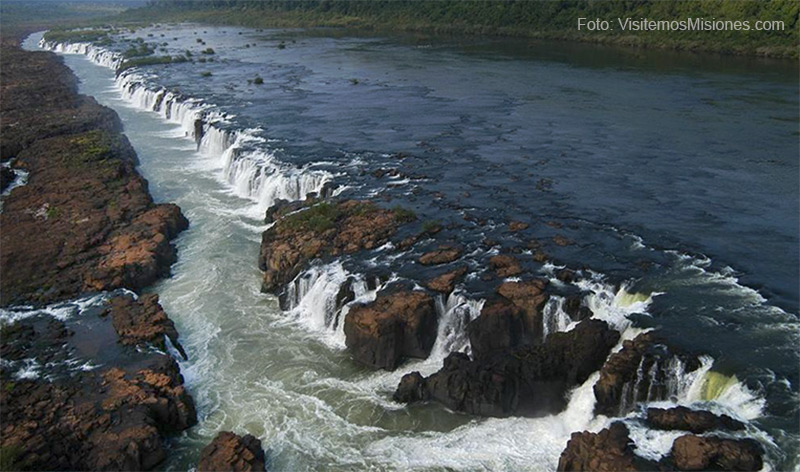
x=521 y=18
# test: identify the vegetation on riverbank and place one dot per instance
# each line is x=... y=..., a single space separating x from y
x=531 y=19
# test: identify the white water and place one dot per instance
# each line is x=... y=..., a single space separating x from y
x=284 y=376
x=244 y=161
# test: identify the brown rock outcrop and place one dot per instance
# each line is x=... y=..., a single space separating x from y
x=446 y=282
x=229 y=452
x=395 y=326
x=79 y=394
x=325 y=229
x=515 y=226
x=505 y=265
x=143 y=321
x=610 y=450
x=713 y=453
x=109 y=418
x=85 y=220
x=442 y=255
x=685 y=419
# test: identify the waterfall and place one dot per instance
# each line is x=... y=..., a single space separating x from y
x=454 y=315
x=554 y=318
x=321 y=296
x=251 y=170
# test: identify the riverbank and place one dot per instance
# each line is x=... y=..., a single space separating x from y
x=533 y=20
x=87 y=378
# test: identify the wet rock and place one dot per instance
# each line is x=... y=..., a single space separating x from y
x=407 y=242
x=628 y=373
x=505 y=265
x=395 y=326
x=446 y=282
x=85 y=221
x=110 y=419
x=443 y=255
x=510 y=322
x=713 y=453
x=143 y=321
x=609 y=450
x=325 y=229
x=7 y=176
x=573 y=306
x=501 y=325
x=412 y=388
x=529 y=295
x=515 y=226
x=695 y=421
x=229 y=452
x=565 y=275
x=527 y=381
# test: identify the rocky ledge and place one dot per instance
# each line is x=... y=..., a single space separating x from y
x=612 y=450
x=229 y=452
x=531 y=380
x=83 y=394
x=85 y=220
x=94 y=390
x=623 y=382
x=395 y=326
x=320 y=230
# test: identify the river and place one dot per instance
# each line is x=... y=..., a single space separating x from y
x=675 y=175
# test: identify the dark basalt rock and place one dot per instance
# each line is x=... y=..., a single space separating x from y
x=695 y=421
x=627 y=372
x=412 y=388
x=281 y=208
x=713 y=453
x=610 y=450
x=7 y=176
x=573 y=306
x=393 y=327
x=529 y=380
x=229 y=452
x=512 y=321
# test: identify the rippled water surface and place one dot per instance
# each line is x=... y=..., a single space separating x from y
x=675 y=174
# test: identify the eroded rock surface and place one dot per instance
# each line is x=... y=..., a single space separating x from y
x=393 y=327
x=627 y=373
x=324 y=229
x=511 y=321
x=714 y=453
x=110 y=413
x=229 y=452
x=609 y=450
x=88 y=391
x=686 y=419
x=445 y=283
x=85 y=220
x=530 y=380
x=442 y=255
